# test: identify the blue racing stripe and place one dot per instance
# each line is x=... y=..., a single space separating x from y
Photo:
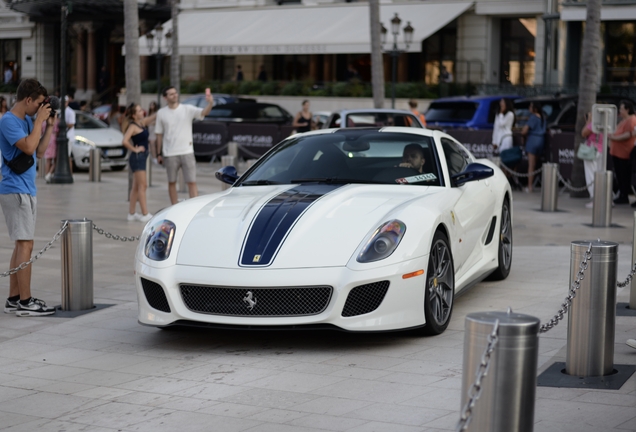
x=275 y=219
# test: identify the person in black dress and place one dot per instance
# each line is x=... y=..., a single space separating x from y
x=303 y=120
x=136 y=141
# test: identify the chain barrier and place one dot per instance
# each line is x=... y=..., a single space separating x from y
x=629 y=278
x=571 y=294
x=474 y=392
x=518 y=174
x=570 y=187
x=37 y=255
x=108 y=235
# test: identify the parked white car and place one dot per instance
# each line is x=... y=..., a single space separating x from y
x=91 y=132
x=357 y=229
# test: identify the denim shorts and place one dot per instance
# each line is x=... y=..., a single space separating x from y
x=137 y=161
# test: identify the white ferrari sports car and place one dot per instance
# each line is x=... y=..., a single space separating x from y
x=355 y=229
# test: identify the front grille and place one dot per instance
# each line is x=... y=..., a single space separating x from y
x=270 y=302
x=365 y=298
x=155 y=295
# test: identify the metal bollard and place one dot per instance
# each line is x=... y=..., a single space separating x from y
x=41 y=167
x=603 y=194
x=95 y=165
x=149 y=170
x=632 y=288
x=592 y=317
x=507 y=400
x=232 y=149
x=227 y=161
x=549 y=187
x=77 y=265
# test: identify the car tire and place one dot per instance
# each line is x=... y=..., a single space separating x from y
x=504 y=247
x=439 y=292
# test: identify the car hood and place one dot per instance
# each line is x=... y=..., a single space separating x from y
x=105 y=137
x=290 y=226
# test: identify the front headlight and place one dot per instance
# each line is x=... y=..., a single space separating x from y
x=159 y=240
x=80 y=140
x=383 y=241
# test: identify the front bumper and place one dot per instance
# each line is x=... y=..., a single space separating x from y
x=81 y=156
x=401 y=308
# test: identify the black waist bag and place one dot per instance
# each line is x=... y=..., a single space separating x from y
x=21 y=163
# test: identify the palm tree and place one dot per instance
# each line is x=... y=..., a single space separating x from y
x=587 y=84
x=175 y=79
x=131 y=41
x=377 y=63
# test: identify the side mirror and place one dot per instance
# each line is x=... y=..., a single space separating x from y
x=227 y=175
x=474 y=171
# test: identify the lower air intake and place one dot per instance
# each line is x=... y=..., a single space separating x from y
x=365 y=298
x=155 y=295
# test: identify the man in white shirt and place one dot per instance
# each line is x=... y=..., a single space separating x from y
x=69 y=117
x=174 y=140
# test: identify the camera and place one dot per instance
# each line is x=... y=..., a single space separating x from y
x=54 y=102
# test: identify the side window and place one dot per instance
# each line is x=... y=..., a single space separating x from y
x=456 y=156
x=270 y=112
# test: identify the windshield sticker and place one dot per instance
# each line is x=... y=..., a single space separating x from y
x=417 y=178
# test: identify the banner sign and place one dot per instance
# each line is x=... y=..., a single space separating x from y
x=561 y=148
x=253 y=139
x=209 y=138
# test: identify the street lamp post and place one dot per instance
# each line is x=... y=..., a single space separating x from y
x=395 y=51
x=150 y=39
x=62 y=172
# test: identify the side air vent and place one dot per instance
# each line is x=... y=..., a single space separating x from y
x=155 y=295
x=491 y=230
x=365 y=298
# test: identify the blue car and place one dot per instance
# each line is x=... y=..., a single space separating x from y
x=474 y=112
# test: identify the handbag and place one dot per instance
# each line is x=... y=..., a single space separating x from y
x=21 y=163
x=586 y=152
x=511 y=156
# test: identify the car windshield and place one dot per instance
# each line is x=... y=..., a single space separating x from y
x=350 y=156
x=85 y=121
x=451 y=111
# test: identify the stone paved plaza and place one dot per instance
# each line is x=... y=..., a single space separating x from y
x=102 y=371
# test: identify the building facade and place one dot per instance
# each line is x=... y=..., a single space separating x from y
x=494 y=44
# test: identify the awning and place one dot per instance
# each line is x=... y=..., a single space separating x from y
x=608 y=13
x=333 y=29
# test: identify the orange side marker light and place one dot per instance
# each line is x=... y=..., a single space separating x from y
x=415 y=273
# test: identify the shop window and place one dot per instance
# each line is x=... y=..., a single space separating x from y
x=10 y=55
x=440 y=50
x=620 y=61
x=517 y=50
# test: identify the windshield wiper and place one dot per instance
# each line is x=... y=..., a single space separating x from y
x=259 y=182
x=332 y=180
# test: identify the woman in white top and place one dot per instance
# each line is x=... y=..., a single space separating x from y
x=502 y=130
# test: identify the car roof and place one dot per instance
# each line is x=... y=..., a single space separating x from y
x=547 y=98
x=401 y=129
x=198 y=95
x=477 y=98
x=373 y=110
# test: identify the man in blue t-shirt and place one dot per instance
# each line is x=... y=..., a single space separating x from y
x=18 y=134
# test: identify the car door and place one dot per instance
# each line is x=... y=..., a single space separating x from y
x=472 y=211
